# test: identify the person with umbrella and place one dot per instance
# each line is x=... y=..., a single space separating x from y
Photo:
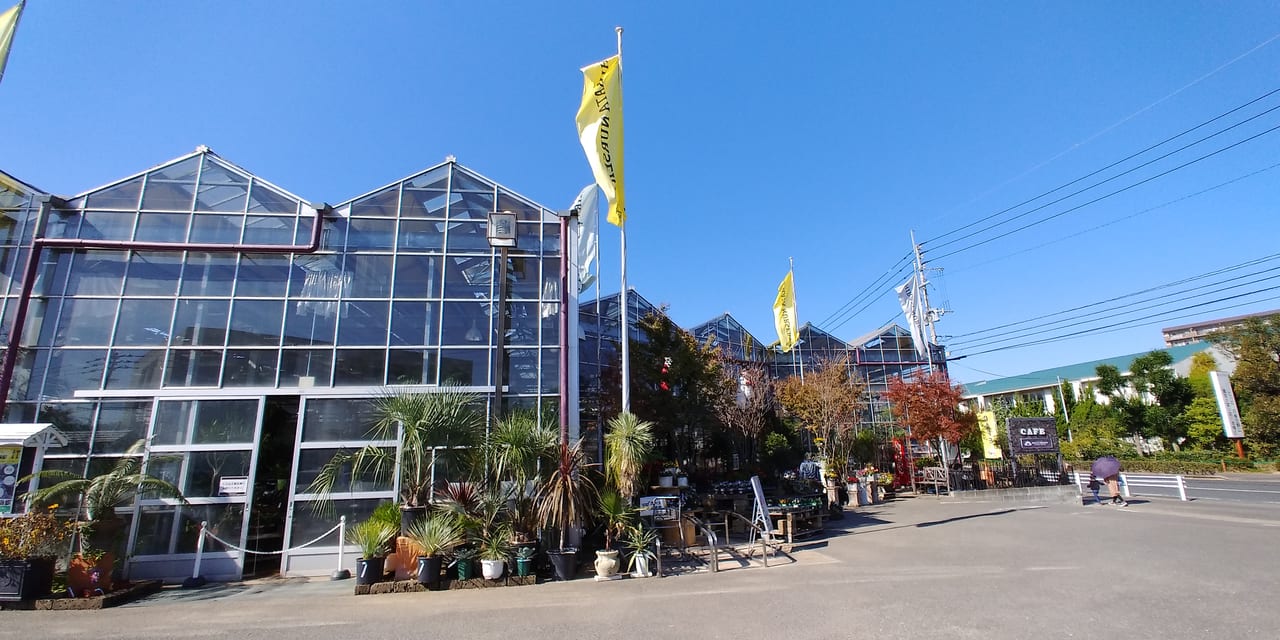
x=1108 y=468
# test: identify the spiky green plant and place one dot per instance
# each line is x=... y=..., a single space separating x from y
x=436 y=534
x=497 y=545
x=566 y=498
x=627 y=446
x=517 y=445
x=616 y=515
x=430 y=426
x=372 y=537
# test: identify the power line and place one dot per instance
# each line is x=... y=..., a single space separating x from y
x=1117 y=220
x=1113 y=193
x=1118 y=123
x=1113 y=164
x=1123 y=310
x=1120 y=326
x=1167 y=285
x=886 y=277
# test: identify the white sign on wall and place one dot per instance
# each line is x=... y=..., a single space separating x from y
x=233 y=485
x=1226 y=405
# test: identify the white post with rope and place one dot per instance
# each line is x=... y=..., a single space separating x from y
x=341 y=573
x=196 y=580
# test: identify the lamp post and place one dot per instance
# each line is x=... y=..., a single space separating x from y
x=501 y=233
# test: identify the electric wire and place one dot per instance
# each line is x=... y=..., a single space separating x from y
x=1115 y=221
x=1112 y=165
x=1122 y=311
x=1123 y=326
x=1126 y=296
x=1104 y=197
x=877 y=285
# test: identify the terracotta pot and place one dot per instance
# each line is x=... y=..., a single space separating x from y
x=86 y=578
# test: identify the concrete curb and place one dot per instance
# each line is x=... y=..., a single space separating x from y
x=1055 y=494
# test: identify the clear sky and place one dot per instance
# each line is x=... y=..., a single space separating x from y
x=756 y=131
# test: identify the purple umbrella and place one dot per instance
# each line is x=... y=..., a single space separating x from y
x=1105 y=467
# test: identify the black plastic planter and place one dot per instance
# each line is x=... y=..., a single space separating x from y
x=369 y=570
x=429 y=570
x=565 y=562
x=408 y=515
x=25 y=579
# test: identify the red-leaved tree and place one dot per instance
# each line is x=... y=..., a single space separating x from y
x=928 y=407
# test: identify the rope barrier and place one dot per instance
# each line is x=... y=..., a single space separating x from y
x=196 y=580
x=273 y=553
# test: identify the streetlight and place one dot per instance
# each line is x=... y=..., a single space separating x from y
x=501 y=233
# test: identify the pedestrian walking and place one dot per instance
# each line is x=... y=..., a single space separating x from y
x=1108 y=468
x=1095 y=487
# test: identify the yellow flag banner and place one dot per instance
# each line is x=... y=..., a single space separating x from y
x=8 y=24
x=784 y=314
x=600 y=131
x=987 y=424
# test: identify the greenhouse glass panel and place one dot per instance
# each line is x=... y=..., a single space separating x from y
x=309 y=323
x=420 y=235
x=225 y=521
x=250 y=368
x=370 y=276
x=465 y=323
x=417 y=276
x=316 y=365
x=96 y=273
x=337 y=420
x=263 y=199
x=85 y=322
x=359 y=367
x=201 y=322
x=144 y=323
x=470 y=206
x=262 y=275
x=414 y=323
x=71 y=370
x=424 y=203
x=162 y=195
x=121 y=196
x=153 y=274
x=255 y=322
x=163 y=227
x=212 y=228
x=363 y=323
x=271 y=230
x=121 y=425
x=135 y=368
x=73 y=420
x=194 y=368
x=364 y=235
x=467 y=237
x=205 y=469
x=108 y=225
x=411 y=366
x=468 y=277
x=469 y=367
x=208 y=274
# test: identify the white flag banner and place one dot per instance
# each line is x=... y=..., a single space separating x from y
x=588 y=208
x=909 y=300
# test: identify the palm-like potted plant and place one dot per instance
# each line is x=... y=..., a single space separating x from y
x=495 y=548
x=430 y=427
x=372 y=537
x=565 y=500
x=627 y=446
x=434 y=536
x=616 y=516
x=639 y=541
x=100 y=495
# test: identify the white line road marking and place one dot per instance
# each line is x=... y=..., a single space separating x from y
x=1190 y=488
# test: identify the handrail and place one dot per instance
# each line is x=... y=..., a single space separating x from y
x=766 y=540
x=712 y=540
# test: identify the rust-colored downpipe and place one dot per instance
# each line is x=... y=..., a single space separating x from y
x=38 y=243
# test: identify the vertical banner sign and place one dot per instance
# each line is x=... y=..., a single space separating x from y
x=1033 y=435
x=1231 y=425
x=987 y=425
x=10 y=457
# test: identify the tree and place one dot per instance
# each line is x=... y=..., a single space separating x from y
x=1256 y=380
x=1159 y=396
x=827 y=403
x=627 y=447
x=928 y=406
x=745 y=402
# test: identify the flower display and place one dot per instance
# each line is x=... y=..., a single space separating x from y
x=37 y=533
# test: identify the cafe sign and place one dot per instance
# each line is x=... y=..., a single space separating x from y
x=1033 y=435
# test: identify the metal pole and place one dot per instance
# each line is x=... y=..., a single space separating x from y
x=499 y=357
x=622 y=299
x=196 y=580
x=340 y=573
x=1066 y=412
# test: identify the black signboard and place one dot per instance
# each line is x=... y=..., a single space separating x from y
x=1033 y=435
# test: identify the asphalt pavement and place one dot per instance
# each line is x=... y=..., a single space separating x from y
x=911 y=568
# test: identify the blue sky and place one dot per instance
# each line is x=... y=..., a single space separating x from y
x=755 y=133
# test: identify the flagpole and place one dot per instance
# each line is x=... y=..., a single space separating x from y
x=791 y=263
x=622 y=298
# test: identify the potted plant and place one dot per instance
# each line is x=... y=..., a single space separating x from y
x=433 y=536
x=372 y=537
x=638 y=541
x=524 y=560
x=627 y=446
x=431 y=427
x=616 y=515
x=89 y=571
x=29 y=548
x=564 y=501
x=100 y=495
x=495 y=547
x=463 y=559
